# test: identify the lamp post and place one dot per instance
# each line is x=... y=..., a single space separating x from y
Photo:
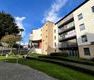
x=21 y=30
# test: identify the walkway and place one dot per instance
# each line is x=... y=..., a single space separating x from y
x=10 y=71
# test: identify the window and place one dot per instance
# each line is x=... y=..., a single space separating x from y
x=86 y=51
x=82 y=27
x=93 y=9
x=80 y=16
x=55 y=44
x=55 y=37
x=84 y=38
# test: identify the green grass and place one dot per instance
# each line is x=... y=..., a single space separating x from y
x=35 y=55
x=3 y=58
x=59 y=72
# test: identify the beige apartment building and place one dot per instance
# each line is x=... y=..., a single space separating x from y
x=84 y=26
x=45 y=39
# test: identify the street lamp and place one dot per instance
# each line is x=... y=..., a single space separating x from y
x=21 y=30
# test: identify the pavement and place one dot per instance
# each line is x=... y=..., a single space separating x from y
x=11 y=71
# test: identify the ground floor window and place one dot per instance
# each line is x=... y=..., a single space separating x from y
x=86 y=51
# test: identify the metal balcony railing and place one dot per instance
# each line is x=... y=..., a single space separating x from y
x=67 y=45
x=68 y=36
x=67 y=27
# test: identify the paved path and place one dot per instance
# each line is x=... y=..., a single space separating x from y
x=10 y=71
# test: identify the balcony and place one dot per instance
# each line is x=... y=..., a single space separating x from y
x=68 y=46
x=67 y=28
x=69 y=36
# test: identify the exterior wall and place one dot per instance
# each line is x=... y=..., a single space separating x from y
x=37 y=34
x=36 y=38
x=88 y=20
x=67 y=36
x=47 y=38
x=36 y=50
x=82 y=55
x=55 y=38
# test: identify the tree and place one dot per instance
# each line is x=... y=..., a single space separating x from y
x=10 y=40
x=7 y=25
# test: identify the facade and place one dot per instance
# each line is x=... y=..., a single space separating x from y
x=36 y=40
x=76 y=31
x=47 y=38
x=67 y=36
x=84 y=26
x=73 y=34
x=43 y=39
x=55 y=38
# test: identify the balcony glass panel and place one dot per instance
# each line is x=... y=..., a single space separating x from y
x=66 y=45
x=65 y=27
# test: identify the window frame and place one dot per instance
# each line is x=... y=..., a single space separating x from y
x=84 y=38
x=87 y=51
x=80 y=16
x=82 y=27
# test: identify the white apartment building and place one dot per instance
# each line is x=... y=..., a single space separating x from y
x=84 y=26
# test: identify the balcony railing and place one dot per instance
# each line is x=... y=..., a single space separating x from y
x=67 y=45
x=66 y=28
x=68 y=36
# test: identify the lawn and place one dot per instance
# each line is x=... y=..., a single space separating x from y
x=59 y=72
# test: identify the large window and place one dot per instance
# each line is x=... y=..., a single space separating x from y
x=82 y=27
x=86 y=51
x=80 y=16
x=92 y=8
x=84 y=38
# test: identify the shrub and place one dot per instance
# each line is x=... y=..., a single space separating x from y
x=59 y=54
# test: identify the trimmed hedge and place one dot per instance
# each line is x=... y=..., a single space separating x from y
x=58 y=54
x=86 y=62
x=81 y=69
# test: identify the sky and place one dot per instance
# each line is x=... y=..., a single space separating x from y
x=32 y=14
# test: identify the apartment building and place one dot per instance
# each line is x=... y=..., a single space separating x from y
x=47 y=38
x=67 y=36
x=36 y=40
x=76 y=31
x=84 y=26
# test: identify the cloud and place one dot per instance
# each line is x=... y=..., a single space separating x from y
x=19 y=22
x=52 y=13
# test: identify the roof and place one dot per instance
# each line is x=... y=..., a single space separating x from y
x=72 y=11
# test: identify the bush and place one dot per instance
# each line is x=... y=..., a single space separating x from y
x=59 y=54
